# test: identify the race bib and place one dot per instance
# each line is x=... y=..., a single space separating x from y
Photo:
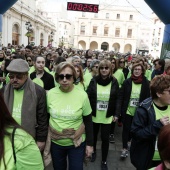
x=102 y=105
x=134 y=102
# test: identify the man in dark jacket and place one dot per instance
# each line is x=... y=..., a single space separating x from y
x=26 y=101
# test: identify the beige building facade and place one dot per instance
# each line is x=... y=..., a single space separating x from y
x=112 y=28
x=14 y=30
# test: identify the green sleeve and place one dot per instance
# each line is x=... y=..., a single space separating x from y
x=27 y=153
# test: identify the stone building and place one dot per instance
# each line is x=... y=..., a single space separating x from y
x=14 y=29
x=112 y=28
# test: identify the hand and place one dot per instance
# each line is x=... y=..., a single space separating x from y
x=2 y=79
x=89 y=151
x=165 y=120
x=41 y=146
x=115 y=119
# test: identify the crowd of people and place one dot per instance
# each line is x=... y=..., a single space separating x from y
x=54 y=102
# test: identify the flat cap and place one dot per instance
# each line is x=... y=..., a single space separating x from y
x=18 y=65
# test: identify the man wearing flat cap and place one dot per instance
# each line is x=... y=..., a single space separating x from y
x=26 y=101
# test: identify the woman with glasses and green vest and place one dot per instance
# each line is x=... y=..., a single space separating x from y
x=70 y=124
x=18 y=149
x=102 y=92
x=133 y=91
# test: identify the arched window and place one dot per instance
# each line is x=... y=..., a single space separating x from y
x=15 y=34
x=41 y=38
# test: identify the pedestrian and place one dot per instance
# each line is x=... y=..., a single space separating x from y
x=70 y=115
x=40 y=76
x=151 y=115
x=18 y=149
x=133 y=91
x=26 y=102
x=102 y=92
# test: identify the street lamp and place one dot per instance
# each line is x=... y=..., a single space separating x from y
x=29 y=29
x=62 y=41
x=51 y=37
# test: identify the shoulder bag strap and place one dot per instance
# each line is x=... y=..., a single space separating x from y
x=13 y=134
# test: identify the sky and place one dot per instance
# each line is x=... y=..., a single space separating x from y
x=142 y=7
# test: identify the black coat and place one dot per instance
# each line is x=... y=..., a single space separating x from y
x=144 y=130
x=125 y=72
x=92 y=94
x=47 y=79
x=125 y=93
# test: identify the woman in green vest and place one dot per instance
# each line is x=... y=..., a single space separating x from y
x=102 y=92
x=18 y=149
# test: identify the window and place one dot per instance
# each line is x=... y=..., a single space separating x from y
x=83 y=14
x=82 y=30
x=131 y=17
x=152 y=42
x=95 y=15
x=153 y=32
x=106 y=30
x=158 y=41
x=94 y=30
x=117 y=32
x=129 y=33
x=159 y=31
x=65 y=27
x=118 y=16
x=107 y=15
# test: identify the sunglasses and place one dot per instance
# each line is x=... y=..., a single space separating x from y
x=113 y=62
x=96 y=67
x=67 y=76
x=29 y=60
x=102 y=68
x=17 y=76
x=121 y=62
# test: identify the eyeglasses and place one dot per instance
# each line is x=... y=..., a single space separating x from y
x=167 y=90
x=102 y=68
x=67 y=76
x=113 y=62
x=96 y=67
x=29 y=60
x=137 y=69
x=17 y=76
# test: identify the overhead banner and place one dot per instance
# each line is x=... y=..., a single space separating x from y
x=5 y=5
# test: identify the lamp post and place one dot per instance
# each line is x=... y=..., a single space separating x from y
x=29 y=29
x=51 y=37
x=62 y=41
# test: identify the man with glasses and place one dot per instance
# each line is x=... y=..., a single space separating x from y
x=26 y=101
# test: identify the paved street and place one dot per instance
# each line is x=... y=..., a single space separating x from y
x=114 y=161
